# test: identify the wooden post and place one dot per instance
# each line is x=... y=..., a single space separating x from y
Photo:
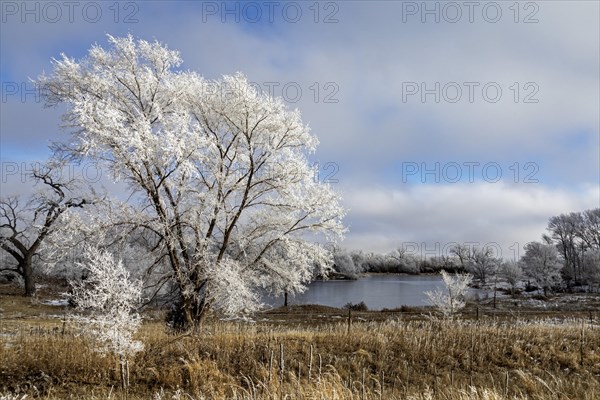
x=581 y=343
x=281 y=363
x=122 y=367
x=126 y=378
x=363 y=384
x=349 y=319
x=310 y=360
x=320 y=364
x=271 y=366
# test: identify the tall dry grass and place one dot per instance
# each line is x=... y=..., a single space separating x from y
x=376 y=360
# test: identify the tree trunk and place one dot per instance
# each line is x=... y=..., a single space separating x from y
x=186 y=314
x=285 y=298
x=27 y=274
x=189 y=313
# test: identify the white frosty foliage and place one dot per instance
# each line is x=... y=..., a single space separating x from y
x=450 y=300
x=107 y=299
x=218 y=171
x=229 y=288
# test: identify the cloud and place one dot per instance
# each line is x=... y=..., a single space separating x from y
x=354 y=76
x=501 y=213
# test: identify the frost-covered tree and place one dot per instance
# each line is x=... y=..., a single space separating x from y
x=591 y=261
x=574 y=235
x=344 y=264
x=541 y=265
x=406 y=263
x=452 y=298
x=28 y=225
x=218 y=171
x=108 y=300
x=511 y=272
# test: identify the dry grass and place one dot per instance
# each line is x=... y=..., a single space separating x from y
x=383 y=357
x=376 y=360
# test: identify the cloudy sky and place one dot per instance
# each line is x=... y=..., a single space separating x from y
x=439 y=122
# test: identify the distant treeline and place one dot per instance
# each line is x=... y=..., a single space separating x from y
x=350 y=264
x=568 y=256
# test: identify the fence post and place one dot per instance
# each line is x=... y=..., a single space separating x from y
x=281 y=362
x=310 y=360
x=271 y=366
x=581 y=343
x=349 y=319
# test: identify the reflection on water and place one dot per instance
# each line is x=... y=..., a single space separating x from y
x=377 y=291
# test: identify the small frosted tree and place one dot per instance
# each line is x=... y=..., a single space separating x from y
x=451 y=299
x=108 y=299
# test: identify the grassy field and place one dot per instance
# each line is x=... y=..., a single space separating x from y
x=309 y=353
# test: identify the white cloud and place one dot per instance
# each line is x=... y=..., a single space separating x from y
x=384 y=218
x=369 y=54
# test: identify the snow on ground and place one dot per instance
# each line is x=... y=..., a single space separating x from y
x=60 y=302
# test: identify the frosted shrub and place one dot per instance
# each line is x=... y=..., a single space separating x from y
x=108 y=300
x=452 y=298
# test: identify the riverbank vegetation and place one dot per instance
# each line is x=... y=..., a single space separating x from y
x=567 y=259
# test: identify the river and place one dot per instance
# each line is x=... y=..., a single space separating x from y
x=378 y=291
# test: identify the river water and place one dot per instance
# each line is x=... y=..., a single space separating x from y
x=378 y=291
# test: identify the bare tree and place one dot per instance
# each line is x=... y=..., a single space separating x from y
x=483 y=264
x=563 y=230
x=463 y=253
x=574 y=235
x=24 y=228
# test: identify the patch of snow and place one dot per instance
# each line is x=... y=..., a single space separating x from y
x=57 y=303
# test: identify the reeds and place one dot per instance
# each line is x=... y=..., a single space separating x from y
x=429 y=359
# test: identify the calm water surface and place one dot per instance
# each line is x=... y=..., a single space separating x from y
x=377 y=291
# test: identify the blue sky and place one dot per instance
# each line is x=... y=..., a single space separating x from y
x=496 y=88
